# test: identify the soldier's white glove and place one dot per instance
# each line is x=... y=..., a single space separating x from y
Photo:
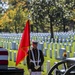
x=36 y=67
x=29 y=70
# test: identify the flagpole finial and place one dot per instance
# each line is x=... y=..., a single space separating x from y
x=29 y=17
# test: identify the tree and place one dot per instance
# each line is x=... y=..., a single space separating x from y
x=43 y=15
x=49 y=13
x=20 y=14
x=46 y=15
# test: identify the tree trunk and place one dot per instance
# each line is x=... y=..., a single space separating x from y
x=64 y=27
x=51 y=27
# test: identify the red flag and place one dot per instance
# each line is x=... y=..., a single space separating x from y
x=24 y=44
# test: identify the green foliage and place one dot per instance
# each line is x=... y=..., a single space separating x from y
x=17 y=16
x=43 y=15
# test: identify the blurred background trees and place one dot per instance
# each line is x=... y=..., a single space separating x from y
x=45 y=15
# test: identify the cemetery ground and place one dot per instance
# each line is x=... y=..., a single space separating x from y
x=50 y=49
x=52 y=60
x=24 y=66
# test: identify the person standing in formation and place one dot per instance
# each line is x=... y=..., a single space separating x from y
x=35 y=60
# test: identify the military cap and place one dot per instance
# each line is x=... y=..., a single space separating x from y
x=35 y=42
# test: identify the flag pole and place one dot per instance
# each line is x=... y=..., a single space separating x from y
x=24 y=44
x=29 y=20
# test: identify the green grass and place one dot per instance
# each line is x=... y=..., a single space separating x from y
x=52 y=60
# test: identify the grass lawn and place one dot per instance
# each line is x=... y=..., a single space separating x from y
x=52 y=60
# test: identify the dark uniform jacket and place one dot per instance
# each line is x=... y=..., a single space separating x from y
x=31 y=65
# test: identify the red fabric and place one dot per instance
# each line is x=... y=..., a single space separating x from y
x=24 y=44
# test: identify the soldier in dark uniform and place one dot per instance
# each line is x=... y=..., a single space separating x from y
x=35 y=60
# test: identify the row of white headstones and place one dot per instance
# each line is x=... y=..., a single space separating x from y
x=61 y=40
